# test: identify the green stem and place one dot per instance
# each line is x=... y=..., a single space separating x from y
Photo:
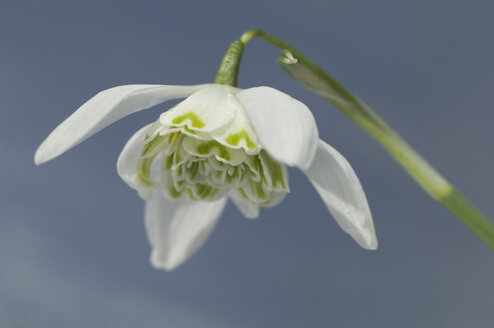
x=228 y=70
x=317 y=80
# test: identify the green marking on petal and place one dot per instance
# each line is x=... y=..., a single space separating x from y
x=180 y=173
x=242 y=193
x=186 y=129
x=275 y=170
x=179 y=184
x=177 y=157
x=204 y=191
x=169 y=162
x=195 y=121
x=153 y=145
x=258 y=190
x=149 y=153
x=234 y=139
x=206 y=147
x=230 y=178
x=172 y=191
x=257 y=166
x=191 y=194
x=144 y=170
x=192 y=170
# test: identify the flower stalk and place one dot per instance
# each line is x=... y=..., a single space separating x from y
x=314 y=78
x=228 y=70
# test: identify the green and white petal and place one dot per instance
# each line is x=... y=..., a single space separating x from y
x=248 y=208
x=341 y=191
x=273 y=173
x=239 y=133
x=206 y=110
x=102 y=110
x=201 y=148
x=128 y=163
x=176 y=230
x=276 y=198
x=284 y=126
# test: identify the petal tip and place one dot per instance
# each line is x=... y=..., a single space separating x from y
x=366 y=237
x=372 y=245
x=40 y=156
x=37 y=160
x=160 y=264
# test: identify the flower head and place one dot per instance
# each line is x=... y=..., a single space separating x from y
x=220 y=142
x=204 y=149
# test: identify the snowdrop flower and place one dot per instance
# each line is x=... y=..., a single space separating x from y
x=220 y=142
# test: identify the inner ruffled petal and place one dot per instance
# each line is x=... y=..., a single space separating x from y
x=206 y=169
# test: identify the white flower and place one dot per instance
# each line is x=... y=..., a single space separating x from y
x=219 y=142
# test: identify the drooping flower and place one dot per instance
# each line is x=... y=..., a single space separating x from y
x=220 y=142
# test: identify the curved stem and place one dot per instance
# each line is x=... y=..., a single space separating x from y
x=309 y=74
x=228 y=70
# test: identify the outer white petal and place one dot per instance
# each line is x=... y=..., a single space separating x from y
x=285 y=126
x=341 y=191
x=176 y=230
x=103 y=109
x=128 y=160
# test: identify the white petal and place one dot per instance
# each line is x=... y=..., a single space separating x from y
x=249 y=209
x=341 y=191
x=206 y=110
x=176 y=230
x=285 y=126
x=128 y=161
x=103 y=109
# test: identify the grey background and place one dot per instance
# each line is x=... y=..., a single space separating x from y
x=73 y=251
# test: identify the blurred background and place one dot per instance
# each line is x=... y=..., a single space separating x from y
x=73 y=251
